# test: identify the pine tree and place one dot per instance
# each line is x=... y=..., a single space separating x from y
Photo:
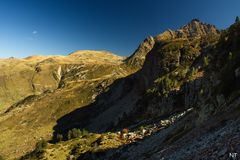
x=230 y=56
x=237 y=19
x=69 y=136
x=206 y=61
x=84 y=132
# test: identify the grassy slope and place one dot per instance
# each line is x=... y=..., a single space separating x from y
x=82 y=77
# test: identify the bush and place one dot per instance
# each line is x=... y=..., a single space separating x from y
x=59 y=137
x=166 y=85
x=69 y=136
x=230 y=56
x=84 y=132
x=206 y=61
x=125 y=131
x=193 y=72
x=76 y=133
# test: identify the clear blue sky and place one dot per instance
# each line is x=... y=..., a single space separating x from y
x=33 y=27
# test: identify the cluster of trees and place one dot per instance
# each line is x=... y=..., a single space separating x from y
x=73 y=133
x=165 y=85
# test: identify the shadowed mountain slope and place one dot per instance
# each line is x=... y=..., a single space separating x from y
x=166 y=58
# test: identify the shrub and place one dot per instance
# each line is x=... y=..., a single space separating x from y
x=230 y=56
x=193 y=72
x=59 y=137
x=166 y=85
x=206 y=61
x=84 y=132
x=125 y=131
x=76 y=133
x=69 y=136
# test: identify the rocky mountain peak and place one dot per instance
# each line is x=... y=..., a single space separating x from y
x=138 y=57
x=194 y=29
x=144 y=47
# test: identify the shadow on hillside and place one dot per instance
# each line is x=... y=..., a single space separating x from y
x=81 y=117
x=137 y=82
